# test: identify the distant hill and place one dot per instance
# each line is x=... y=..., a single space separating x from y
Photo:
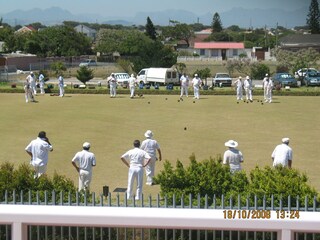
x=255 y=18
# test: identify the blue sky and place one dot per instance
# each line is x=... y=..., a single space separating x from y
x=131 y=7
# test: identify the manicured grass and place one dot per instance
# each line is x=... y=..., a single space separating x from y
x=111 y=125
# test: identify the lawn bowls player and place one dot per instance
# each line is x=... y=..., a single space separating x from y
x=232 y=156
x=184 y=81
x=196 y=83
x=247 y=84
x=135 y=159
x=282 y=154
x=38 y=150
x=83 y=162
x=132 y=85
x=151 y=146
x=113 y=85
x=32 y=81
x=238 y=84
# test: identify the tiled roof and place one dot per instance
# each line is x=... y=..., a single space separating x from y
x=218 y=45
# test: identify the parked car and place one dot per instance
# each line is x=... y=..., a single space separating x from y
x=88 y=63
x=312 y=79
x=222 y=80
x=284 y=79
x=122 y=79
x=301 y=73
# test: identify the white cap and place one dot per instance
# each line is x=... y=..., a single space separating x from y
x=196 y=75
x=247 y=77
x=231 y=143
x=86 y=145
x=267 y=74
x=285 y=140
x=148 y=134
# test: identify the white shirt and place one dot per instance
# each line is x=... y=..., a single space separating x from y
x=150 y=146
x=238 y=83
x=30 y=78
x=136 y=157
x=112 y=82
x=39 y=149
x=196 y=82
x=270 y=84
x=184 y=81
x=247 y=83
x=41 y=77
x=85 y=160
x=265 y=82
x=60 y=81
x=233 y=157
x=281 y=154
x=132 y=81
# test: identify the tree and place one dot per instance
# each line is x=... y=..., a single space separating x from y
x=150 y=30
x=313 y=19
x=216 y=23
x=180 y=31
x=84 y=74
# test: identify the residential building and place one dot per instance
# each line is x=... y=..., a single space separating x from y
x=89 y=32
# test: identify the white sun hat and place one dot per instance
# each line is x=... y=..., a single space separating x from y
x=231 y=143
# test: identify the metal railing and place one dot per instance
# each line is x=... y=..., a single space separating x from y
x=51 y=215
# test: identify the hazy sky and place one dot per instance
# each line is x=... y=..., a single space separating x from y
x=131 y=7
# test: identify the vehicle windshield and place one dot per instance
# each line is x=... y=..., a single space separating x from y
x=314 y=74
x=222 y=76
x=286 y=75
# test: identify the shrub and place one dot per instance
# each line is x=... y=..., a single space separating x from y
x=84 y=74
x=212 y=178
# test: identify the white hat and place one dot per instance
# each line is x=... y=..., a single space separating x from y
x=240 y=77
x=231 y=143
x=285 y=140
x=86 y=145
x=247 y=77
x=267 y=74
x=132 y=75
x=196 y=75
x=31 y=72
x=148 y=134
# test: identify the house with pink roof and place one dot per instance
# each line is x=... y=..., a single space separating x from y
x=219 y=50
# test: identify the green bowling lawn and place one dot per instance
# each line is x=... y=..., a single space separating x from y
x=181 y=128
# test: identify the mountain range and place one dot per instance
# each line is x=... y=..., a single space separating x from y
x=244 y=18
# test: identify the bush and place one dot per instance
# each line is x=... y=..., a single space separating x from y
x=21 y=180
x=212 y=178
x=259 y=70
x=84 y=74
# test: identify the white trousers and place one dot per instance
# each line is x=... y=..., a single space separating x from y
x=196 y=92
x=239 y=93
x=248 y=94
x=132 y=91
x=150 y=169
x=61 y=89
x=184 y=90
x=135 y=173
x=84 y=179
x=113 y=91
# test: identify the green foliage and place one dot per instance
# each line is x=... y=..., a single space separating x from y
x=21 y=180
x=150 y=29
x=84 y=74
x=125 y=64
x=209 y=177
x=216 y=23
x=259 y=70
x=212 y=178
x=313 y=19
x=58 y=67
x=296 y=60
x=181 y=67
x=281 y=182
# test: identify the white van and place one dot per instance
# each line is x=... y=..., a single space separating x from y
x=161 y=76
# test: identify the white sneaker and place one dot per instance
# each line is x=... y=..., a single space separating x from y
x=149 y=183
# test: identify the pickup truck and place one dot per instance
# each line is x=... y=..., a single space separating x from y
x=222 y=80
